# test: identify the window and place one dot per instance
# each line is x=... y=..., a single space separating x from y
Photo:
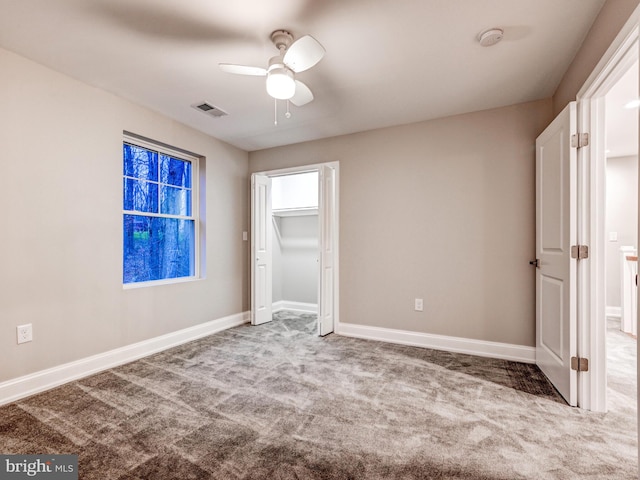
x=159 y=213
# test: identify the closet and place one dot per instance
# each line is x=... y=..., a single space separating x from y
x=295 y=242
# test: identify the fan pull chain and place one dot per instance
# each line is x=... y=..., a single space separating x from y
x=275 y=112
x=288 y=114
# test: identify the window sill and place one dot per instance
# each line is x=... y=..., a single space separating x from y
x=156 y=283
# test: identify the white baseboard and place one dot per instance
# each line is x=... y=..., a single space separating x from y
x=21 y=387
x=615 y=312
x=295 y=306
x=505 y=351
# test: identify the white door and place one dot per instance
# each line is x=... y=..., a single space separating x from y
x=326 y=217
x=556 y=232
x=261 y=252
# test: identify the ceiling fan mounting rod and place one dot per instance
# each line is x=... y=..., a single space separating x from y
x=282 y=39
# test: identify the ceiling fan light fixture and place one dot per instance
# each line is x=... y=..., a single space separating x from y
x=280 y=83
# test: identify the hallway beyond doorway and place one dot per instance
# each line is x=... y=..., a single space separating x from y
x=621 y=369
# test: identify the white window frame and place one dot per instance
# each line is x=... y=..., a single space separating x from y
x=195 y=208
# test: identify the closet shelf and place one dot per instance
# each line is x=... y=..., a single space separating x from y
x=295 y=212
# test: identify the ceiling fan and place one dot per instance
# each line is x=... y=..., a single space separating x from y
x=294 y=57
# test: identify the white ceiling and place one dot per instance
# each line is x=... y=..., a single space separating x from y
x=622 y=123
x=387 y=62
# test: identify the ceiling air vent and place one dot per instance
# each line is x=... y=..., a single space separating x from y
x=209 y=109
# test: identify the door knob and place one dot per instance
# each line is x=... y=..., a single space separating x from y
x=535 y=263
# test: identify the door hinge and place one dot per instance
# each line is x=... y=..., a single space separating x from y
x=580 y=364
x=580 y=252
x=579 y=140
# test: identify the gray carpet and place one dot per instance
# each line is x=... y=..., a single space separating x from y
x=276 y=402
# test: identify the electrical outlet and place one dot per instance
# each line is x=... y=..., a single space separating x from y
x=25 y=333
x=418 y=305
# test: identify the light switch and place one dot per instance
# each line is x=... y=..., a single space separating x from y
x=613 y=236
x=245 y=236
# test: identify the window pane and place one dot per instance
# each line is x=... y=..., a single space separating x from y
x=140 y=196
x=140 y=162
x=175 y=172
x=175 y=201
x=157 y=248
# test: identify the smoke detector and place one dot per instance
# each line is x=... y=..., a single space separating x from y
x=490 y=37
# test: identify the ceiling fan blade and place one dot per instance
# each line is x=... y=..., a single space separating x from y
x=302 y=96
x=303 y=54
x=242 y=69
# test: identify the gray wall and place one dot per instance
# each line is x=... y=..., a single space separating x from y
x=61 y=243
x=621 y=217
x=276 y=246
x=295 y=255
x=300 y=259
x=442 y=210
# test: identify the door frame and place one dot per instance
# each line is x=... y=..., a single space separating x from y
x=334 y=225
x=619 y=57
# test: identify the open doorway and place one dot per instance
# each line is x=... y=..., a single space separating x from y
x=599 y=122
x=572 y=237
x=294 y=244
x=621 y=240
